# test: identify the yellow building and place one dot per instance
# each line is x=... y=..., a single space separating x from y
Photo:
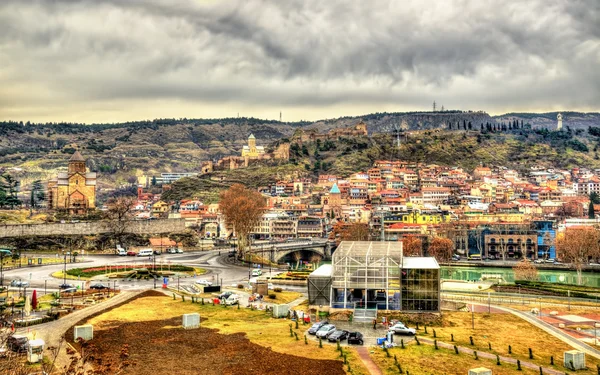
x=74 y=190
x=252 y=150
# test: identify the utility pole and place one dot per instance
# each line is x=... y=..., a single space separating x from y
x=434 y=106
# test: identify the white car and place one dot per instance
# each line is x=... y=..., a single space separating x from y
x=233 y=299
x=400 y=329
x=203 y=282
x=325 y=331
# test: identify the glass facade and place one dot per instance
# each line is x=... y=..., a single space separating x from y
x=374 y=275
x=420 y=289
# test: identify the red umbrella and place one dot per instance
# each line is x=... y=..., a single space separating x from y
x=34 y=300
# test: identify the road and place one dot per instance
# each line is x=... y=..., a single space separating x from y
x=218 y=271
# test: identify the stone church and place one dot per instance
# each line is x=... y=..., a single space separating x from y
x=74 y=190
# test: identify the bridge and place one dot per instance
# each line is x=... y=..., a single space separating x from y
x=276 y=252
x=90 y=228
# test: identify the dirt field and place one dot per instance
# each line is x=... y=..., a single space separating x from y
x=162 y=346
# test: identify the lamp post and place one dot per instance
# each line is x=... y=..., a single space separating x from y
x=65 y=269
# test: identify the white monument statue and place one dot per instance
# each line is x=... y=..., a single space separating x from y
x=559 y=118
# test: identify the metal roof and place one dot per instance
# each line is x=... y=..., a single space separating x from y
x=420 y=263
x=325 y=270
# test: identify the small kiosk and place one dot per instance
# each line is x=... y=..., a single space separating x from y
x=35 y=350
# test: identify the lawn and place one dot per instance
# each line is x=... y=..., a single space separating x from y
x=425 y=360
x=500 y=331
x=257 y=326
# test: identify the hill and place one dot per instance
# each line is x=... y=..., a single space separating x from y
x=124 y=150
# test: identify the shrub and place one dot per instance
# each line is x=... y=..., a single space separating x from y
x=435 y=344
x=471 y=339
x=240 y=286
x=509 y=349
x=497 y=360
x=518 y=365
x=277 y=290
x=475 y=354
x=272 y=295
x=455 y=349
x=530 y=354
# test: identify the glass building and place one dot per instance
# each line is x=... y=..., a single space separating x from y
x=375 y=275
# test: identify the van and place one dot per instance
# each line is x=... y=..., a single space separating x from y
x=145 y=253
x=121 y=252
x=256 y=272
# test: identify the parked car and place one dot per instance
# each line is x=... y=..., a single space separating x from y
x=225 y=294
x=549 y=260
x=400 y=329
x=339 y=334
x=256 y=272
x=179 y=251
x=315 y=327
x=455 y=257
x=19 y=283
x=69 y=290
x=66 y=286
x=99 y=286
x=355 y=338
x=157 y=252
x=325 y=331
x=203 y=282
x=233 y=299
x=131 y=253
x=17 y=343
x=538 y=261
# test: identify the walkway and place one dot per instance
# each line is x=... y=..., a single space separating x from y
x=363 y=354
x=51 y=332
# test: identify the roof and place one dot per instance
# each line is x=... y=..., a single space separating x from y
x=325 y=270
x=251 y=136
x=334 y=189
x=368 y=250
x=420 y=263
x=77 y=156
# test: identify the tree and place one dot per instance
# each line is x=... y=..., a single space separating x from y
x=9 y=195
x=153 y=181
x=412 y=246
x=577 y=246
x=591 y=210
x=441 y=248
x=118 y=215
x=356 y=232
x=37 y=194
x=242 y=209
x=525 y=270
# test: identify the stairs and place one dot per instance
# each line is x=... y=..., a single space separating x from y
x=364 y=315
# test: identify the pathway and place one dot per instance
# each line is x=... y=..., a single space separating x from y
x=51 y=332
x=363 y=354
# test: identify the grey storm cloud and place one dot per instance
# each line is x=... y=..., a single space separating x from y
x=498 y=56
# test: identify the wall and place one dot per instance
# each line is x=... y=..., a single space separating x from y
x=93 y=227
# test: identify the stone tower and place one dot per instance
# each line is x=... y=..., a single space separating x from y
x=559 y=118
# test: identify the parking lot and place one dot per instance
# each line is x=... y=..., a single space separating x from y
x=370 y=335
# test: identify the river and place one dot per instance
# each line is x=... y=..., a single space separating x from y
x=507 y=275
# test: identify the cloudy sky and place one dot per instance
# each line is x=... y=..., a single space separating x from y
x=104 y=61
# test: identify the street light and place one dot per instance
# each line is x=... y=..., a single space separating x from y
x=65 y=269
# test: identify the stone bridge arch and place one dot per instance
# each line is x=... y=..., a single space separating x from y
x=278 y=255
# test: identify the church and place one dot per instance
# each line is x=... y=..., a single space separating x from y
x=252 y=150
x=74 y=190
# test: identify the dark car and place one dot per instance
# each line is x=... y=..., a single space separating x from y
x=157 y=252
x=339 y=334
x=17 y=343
x=355 y=338
x=98 y=286
x=66 y=286
x=315 y=327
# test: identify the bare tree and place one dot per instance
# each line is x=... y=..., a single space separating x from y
x=577 y=246
x=525 y=270
x=441 y=248
x=412 y=246
x=242 y=209
x=118 y=215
